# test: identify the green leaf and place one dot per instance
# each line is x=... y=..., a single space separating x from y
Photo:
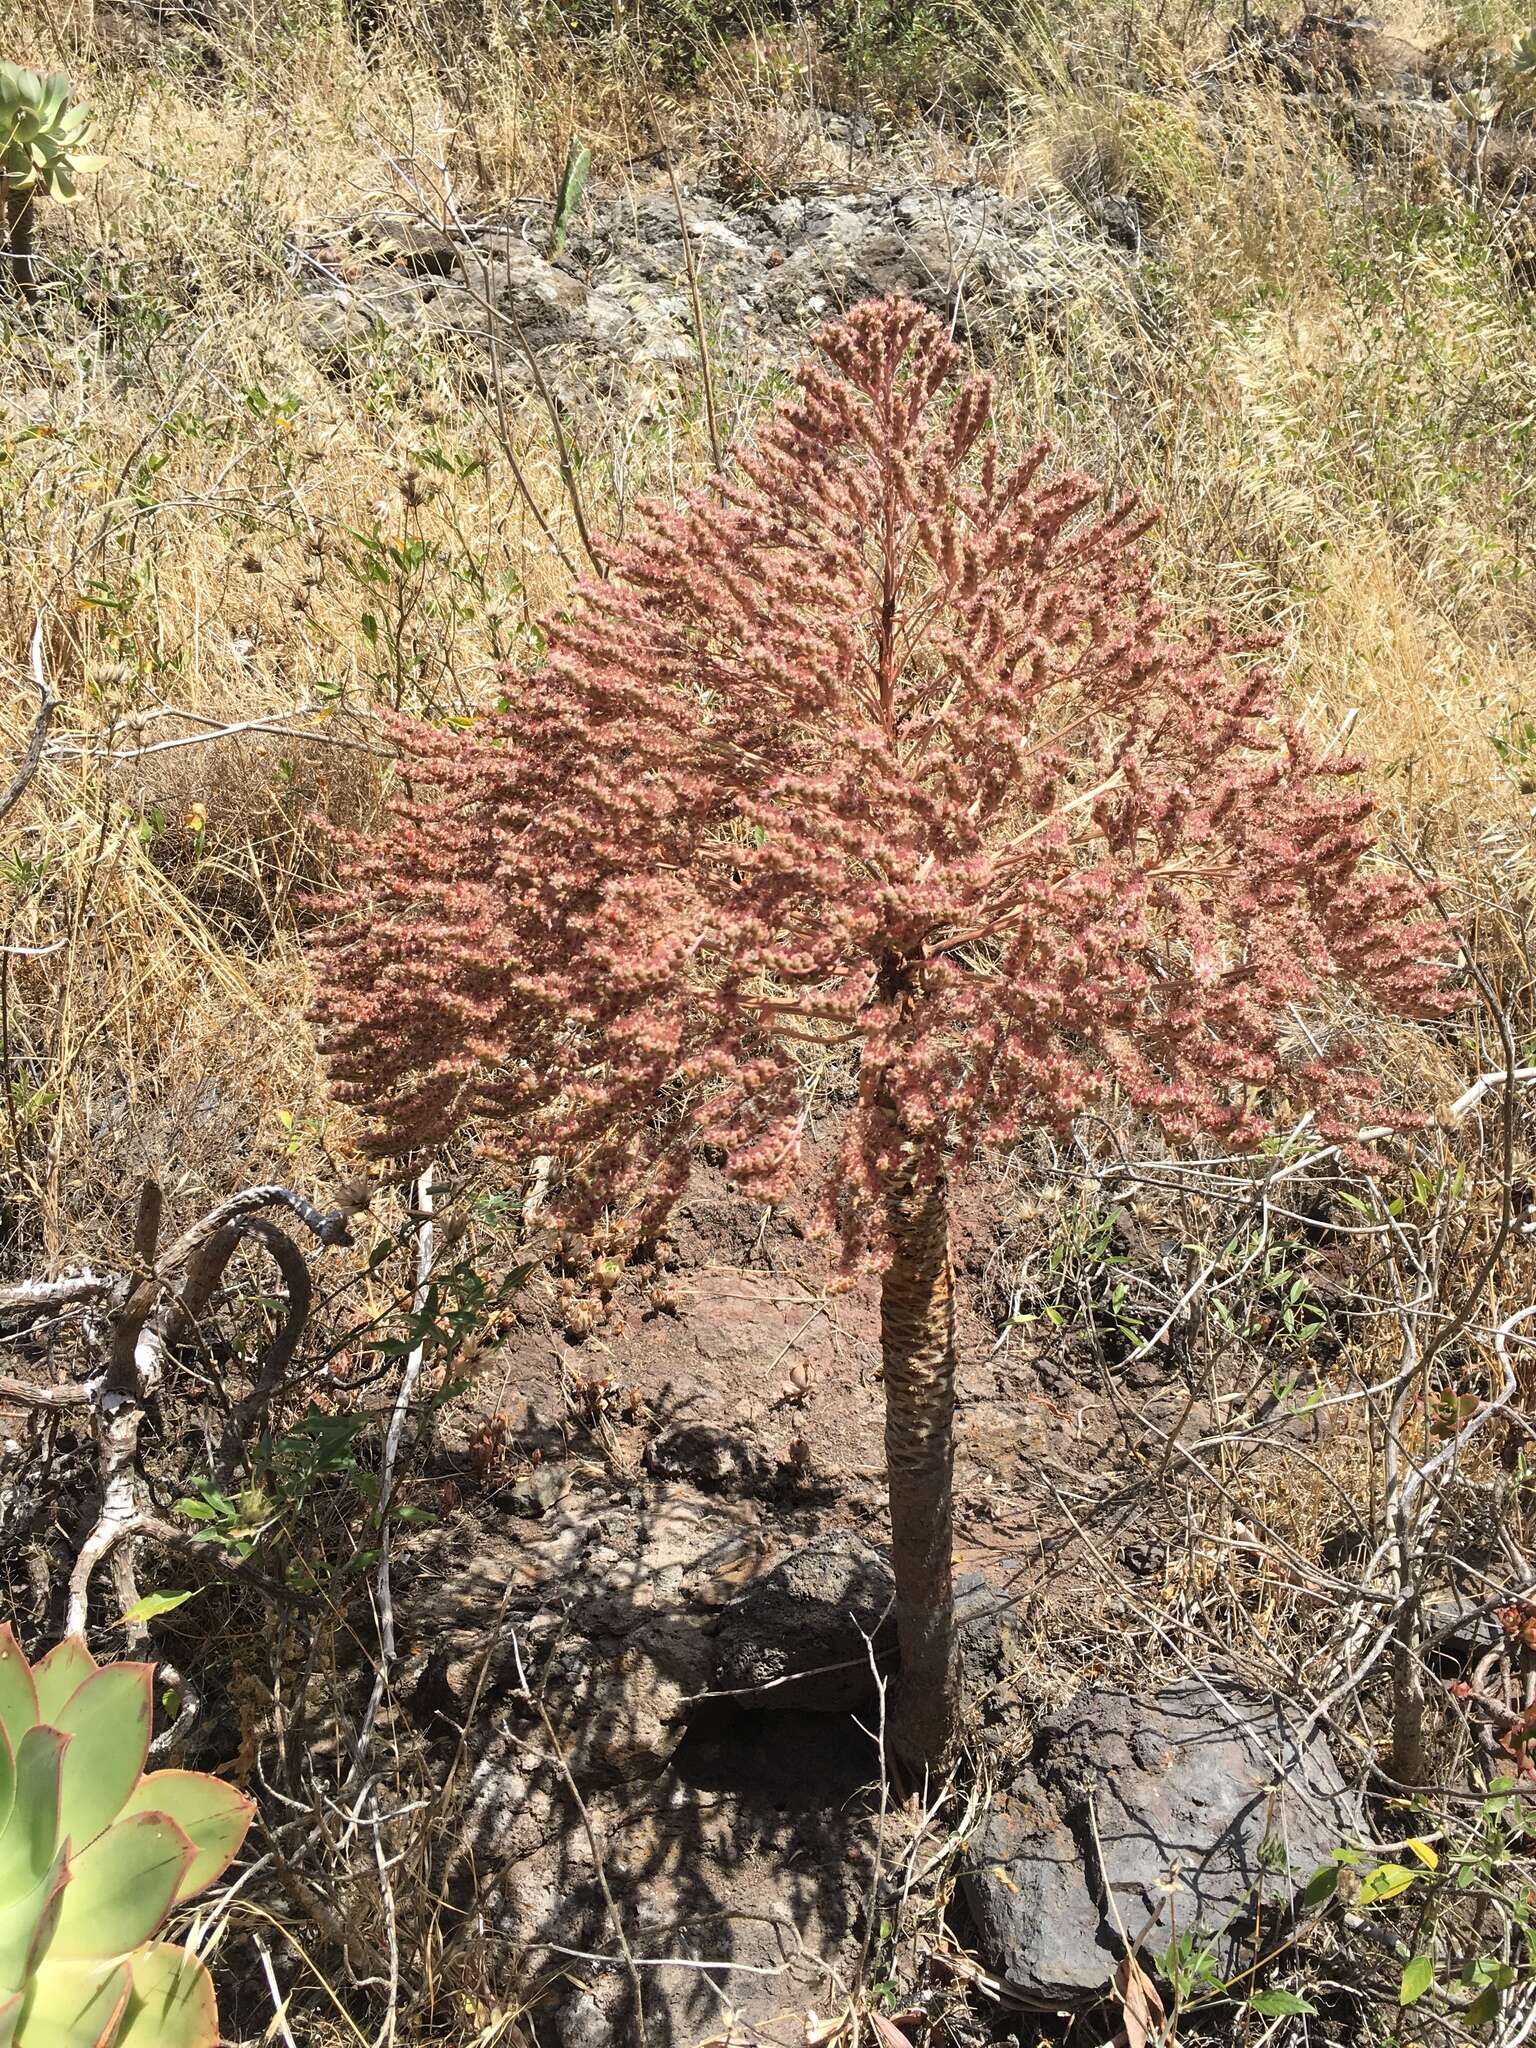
x=74 y=2004
x=31 y=1836
x=573 y=182
x=212 y=1815
x=173 y=2004
x=110 y=1718
x=1418 y=1975
x=1321 y=1887
x=18 y=1695
x=122 y=1887
x=153 y=1605
x=1278 y=2005
x=1485 y=2008
x=27 y=1922
x=65 y=1668
x=7 y=1782
x=1386 y=1881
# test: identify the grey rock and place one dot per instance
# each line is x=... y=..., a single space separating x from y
x=987 y=1653
x=1459 y=1632
x=583 y=2023
x=797 y=1638
x=1133 y=1816
x=336 y=320
x=593 y=1608
x=619 y=1708
x=530 y=300
x=769 y=272
x=534 y=1492
x=611 y=1709
x=515 y=1808
x=714 y=1460
x=412 y=245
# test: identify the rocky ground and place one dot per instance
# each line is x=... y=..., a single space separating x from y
x=659 y=1599
x=614 y=309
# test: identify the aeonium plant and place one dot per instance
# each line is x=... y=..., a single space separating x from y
x=42 y=151
x=94 y=1853
x=882 y=751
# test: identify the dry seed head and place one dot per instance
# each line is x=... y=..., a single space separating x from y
x=876 y=748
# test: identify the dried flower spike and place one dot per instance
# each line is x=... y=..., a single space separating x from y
x=880 y=752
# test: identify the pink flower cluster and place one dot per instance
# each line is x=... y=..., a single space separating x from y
x=881 y=752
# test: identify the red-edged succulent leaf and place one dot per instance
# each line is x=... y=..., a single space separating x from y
x=18 y=1695
x=212 y=1815
x=173 y=2003
x=109 y=1719
x=65 y=1668
x=75 y=2005
x=7 y=1781
x=121 y=1887
x=27 y=1924
x=10 y=2019
x=31 y=1836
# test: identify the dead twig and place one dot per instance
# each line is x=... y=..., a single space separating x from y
x=717 y=453
x=48 y=703
x=406 y=1393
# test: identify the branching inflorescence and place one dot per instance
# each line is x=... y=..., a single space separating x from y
x=879 y=745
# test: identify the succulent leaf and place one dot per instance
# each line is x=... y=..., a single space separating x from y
x=18 y=1695
x=31 y=1837
x=173 y=2005
x=7 y=1780
x=93 y=1853
x=27 y=1923
x=75 y=2005
x=42 y=136
x=212 y=1815
x=121 y=1888
x=109 y=1718
x=65 y=1668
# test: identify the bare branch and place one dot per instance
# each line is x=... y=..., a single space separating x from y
x=329 y=1229
x=279 y=1354
x=383 y=1595
x=75 y=1395
x=47 y=705
x=69 y=1292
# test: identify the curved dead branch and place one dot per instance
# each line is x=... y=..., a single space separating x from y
x=154 y=1310
x=329 y=1229
x=279 y=1354
x=47 y=705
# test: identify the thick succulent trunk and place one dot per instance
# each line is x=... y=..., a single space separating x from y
x=19 y=208
x=917 y=1337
